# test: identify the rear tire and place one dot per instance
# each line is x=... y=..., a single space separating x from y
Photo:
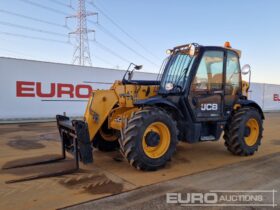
x=243 y=133
x=149 y=140
x=106 y=140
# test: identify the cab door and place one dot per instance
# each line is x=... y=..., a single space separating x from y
x=233 y=81
x=206 y=96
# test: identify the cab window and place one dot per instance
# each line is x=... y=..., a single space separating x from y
x=209 y=75
x=232 y=74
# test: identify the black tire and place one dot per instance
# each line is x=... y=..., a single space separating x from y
x=100 y=141
x=235 y=132
x=131 y=143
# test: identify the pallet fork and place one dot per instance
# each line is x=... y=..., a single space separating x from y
x=74 y=139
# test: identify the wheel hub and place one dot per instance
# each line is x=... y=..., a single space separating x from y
x=152 y=139
x=156 y=140
x=251 y=132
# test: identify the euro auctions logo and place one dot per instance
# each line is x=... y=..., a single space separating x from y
x=238 y=198
x=52 y=90
x=192 y=198
x=276 y=97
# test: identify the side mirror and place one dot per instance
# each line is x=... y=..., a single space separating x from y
x=130 y=75
x=138 y=67
x=246 y=69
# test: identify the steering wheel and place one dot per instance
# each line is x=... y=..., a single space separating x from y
x=178 y=86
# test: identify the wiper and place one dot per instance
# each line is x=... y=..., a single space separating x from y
x=182 y=75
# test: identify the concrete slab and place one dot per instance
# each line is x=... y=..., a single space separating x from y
x=106 y=176
x=258 y=174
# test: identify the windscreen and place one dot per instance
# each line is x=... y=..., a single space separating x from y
x=175 y=73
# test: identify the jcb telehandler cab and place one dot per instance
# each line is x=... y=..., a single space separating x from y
x=200 y=95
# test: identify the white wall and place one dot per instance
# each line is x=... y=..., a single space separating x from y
x=266 y=95
x=271 y=97
x=256 y=93
x=21 y=100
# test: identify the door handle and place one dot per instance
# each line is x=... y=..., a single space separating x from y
x=218 y=91
x=194 y=101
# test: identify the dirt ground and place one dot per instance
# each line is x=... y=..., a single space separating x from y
x=105 y=177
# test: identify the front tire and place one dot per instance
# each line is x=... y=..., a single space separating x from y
x=150 y=138
x=106 y=140
x=243 y=133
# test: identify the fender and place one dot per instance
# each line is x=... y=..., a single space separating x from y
x=161 y=102
x=251 y=103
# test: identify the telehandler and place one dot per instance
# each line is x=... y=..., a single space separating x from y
x=199 y=94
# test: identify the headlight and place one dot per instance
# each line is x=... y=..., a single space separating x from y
x=192 y=50
x=169 y=52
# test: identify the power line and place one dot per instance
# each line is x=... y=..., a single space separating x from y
x=21 y=55
x=49 y=32
x=15 y=52
x=110 y=51
x=31 y=18
x=31 y=29
x=62 y=4
x=33 y=37
x=123 y=43
x=101 y=46
x=122 y=30
x=104 y=61
x=44 y=7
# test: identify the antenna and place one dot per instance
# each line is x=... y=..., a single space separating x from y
x=81 y=54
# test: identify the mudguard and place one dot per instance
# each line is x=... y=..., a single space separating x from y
x=252 y=104
x=160 y=102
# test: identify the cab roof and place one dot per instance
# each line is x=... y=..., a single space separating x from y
x=226 y=46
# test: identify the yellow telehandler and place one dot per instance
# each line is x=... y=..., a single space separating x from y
x=198 y=95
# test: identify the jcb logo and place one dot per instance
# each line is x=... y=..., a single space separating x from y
x=209 y=107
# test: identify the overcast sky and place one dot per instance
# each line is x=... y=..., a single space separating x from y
x=148 y=28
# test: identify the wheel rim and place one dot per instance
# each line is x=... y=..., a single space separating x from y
x=164 y=140
x=252 y=137
x=108 y=136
